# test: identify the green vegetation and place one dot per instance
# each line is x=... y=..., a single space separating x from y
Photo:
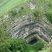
x=49 y=15
x=8 y=44
x=9 y=5
x=45 y=50
x=19 y=45
x=3 y=32
x=44 y=7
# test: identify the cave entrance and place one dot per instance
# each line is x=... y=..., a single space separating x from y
x=33 y=40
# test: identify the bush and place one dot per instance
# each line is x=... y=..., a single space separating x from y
x=49 y=16
x=18 y=45
x=12 y=45
x=38 y=46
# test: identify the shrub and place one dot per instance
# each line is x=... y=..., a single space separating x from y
x=38 y=46
x=12 y=45
x=49 y=16
x=18 y=45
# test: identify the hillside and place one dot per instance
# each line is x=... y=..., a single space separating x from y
x=25 y=25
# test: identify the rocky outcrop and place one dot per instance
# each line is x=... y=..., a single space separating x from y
x=26 y=26
x=27 y=21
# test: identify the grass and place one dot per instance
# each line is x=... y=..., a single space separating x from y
x=7 y=6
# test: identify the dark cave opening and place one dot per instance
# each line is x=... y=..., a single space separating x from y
x=33 y=40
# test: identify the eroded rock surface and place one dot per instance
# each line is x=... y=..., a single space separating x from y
x=25 y=22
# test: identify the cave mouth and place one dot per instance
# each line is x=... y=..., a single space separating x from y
x=33 y=40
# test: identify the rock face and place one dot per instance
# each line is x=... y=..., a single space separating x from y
x=26 y=24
